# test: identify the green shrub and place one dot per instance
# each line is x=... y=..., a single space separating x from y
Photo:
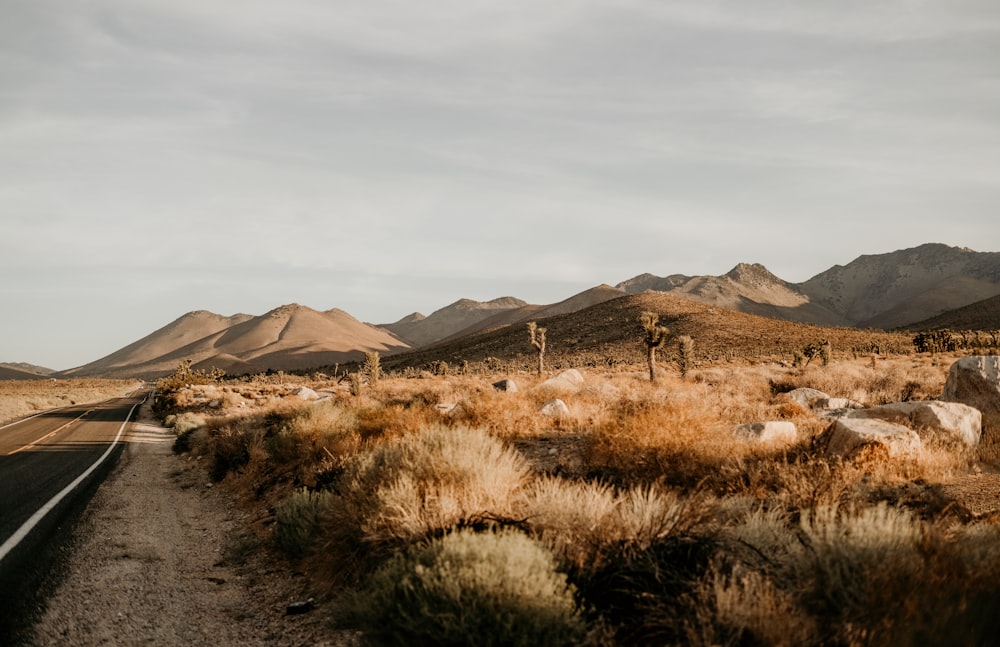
x=297 y=521
x=469 y=588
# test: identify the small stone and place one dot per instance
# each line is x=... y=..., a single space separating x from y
x=508 y=385
x=569 y=381
x=555 y=408
x=807 y=397
x=780 y=431
x=303 y=606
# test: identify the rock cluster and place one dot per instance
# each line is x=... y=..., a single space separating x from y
x=902 y=429
x=898 y=429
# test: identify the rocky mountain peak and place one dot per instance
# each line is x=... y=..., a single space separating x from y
x=752 y=274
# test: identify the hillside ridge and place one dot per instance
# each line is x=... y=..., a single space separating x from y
x=885 y=291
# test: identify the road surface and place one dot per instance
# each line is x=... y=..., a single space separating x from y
x=50 y=466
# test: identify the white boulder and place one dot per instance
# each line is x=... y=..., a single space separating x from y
x=838 y=403
x=569 y=381
x=848 y=436
x=947 y=423
x=772 y=431
x=555 y=408
x=975 y=381
x=305 y=393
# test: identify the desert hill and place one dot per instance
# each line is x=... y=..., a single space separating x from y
x=982 y=315
x=529 y=312
x=748 y=287
x=877 y=291
x=609 y=333
x=906 y=286
x=186 y=329
x=290 y=337
x=417 y=330
x=873 y=291
x=22 y=371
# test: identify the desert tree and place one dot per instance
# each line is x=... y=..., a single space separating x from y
x=825 y=351
x=655 y=337
x=685 y=353
x=537 y=336
x=356 y=382
x=372 y=368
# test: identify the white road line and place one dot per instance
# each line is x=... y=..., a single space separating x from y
x=28 y=525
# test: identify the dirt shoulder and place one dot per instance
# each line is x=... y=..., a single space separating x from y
x=161 y=558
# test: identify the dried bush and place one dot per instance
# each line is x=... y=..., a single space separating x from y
x=297 y=521
x=584 y=522
x=469 y=588
x=409 y=488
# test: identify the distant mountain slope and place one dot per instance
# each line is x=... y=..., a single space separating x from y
x=747 y=288
x=417 y=330
x=530 y=312
x=610 y=331
x=24 y=367
x=287 y=338
x=981 y=315
x=905 y=286
x=12 y=372
x=873 y=291
x=184 y=330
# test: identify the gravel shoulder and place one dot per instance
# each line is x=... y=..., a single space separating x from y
x=161 y=558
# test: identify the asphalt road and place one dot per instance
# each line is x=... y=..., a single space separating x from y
x=50 y=466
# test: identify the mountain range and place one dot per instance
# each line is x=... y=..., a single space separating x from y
x=883 y=291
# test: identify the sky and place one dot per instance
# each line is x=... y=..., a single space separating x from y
x=386 y=157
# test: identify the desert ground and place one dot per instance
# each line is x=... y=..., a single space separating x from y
x=632 y=513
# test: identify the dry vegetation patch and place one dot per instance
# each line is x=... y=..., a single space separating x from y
x=667 y=527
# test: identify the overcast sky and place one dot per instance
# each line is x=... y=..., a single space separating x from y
x=385 y=157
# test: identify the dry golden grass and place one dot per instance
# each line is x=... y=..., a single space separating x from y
x=19 y=398
x=671 y=528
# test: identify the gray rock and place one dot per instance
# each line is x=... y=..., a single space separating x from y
x=848 y=436
x=946 y=423
x=771 y=431
x=975 y=381
x=808 y=398
x=508 y=385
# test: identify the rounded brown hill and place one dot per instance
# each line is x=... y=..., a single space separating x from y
x=290 y=337
x=610 y=332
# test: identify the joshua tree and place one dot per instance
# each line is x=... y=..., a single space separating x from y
x=685 y=353
x=372 y=368
x=356 y=382
x=825 y=351
x=537 y=336
x=656 y=337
